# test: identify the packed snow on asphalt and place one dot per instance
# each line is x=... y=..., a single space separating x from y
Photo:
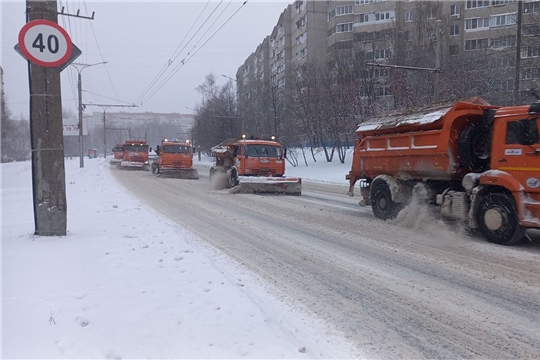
x=170 y=268
x=126 y=282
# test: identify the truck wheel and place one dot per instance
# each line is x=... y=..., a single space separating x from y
x=474 y=147
x=233 y=179
x=498 y=221
x=381 y=202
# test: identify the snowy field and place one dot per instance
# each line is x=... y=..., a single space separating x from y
x=128 y=283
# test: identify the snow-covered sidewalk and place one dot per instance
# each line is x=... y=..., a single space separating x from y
x=128 y=283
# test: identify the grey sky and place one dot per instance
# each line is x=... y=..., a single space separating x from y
x=137 y=39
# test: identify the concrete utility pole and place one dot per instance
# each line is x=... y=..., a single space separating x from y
x=46 y=132
x=105 y=107
x=79 y=86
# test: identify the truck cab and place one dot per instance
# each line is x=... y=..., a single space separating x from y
x=515 y=159
x=259 y=158
x=135 y=154
x=118 y=154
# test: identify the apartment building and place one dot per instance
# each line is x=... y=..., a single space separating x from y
x=478 y=37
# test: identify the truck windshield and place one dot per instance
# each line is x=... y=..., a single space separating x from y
x=118 y=149
x=176 y=149
x=137 y=148
x=258 y=150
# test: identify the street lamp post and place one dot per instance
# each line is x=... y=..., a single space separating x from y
x=79 y=86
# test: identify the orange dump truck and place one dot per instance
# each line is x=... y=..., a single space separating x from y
x=118 y=154
x=253 y=166
x=135 y=155
x=479 y=163
x=175 y=159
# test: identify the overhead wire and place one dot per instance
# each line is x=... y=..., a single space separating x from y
x=169 y=62
x=100 y=53
x=174 y=56
x=70 y=73
x=192 y=55
x=107 y=97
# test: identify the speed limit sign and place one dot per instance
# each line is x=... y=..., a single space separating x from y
x=45 y=43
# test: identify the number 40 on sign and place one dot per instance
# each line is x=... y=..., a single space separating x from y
x=45 y=43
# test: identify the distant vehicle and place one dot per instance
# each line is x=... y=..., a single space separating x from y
x=92 y=153
x=118 y=154
x=175 y=159
x=479 y=163
x=253 y=166
x=135 y=155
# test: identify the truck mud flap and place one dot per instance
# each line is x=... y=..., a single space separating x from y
x=261 y=185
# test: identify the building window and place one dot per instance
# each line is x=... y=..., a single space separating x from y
x=408 y=16
x=361 y=18
x=382 y=91
x=503 y=20
x=476 y=44
x=409 y=36
x=530 y=73
x=380 y=73
x=474 y=4
x=530 y=51
x=300 y=7
x=454 y=30
x=455 y=10
x=504 y=62
x=331 y=14
x=503 y=41
x=531 y=8
x=432 y=13
x=501 y=2
x=454 y=50
x=382 y=54
x=344 y=10
x=363 y=37
x=382 y=16
x=301 y=22
x=331 y=31
x=301 y=38
x=472 y=24
x=345 y=27
x=363 y=2
x=530 y=30
x=504 y=85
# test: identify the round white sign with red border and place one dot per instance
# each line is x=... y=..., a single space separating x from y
x=45 y=43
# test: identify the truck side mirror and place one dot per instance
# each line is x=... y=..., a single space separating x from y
x=285 y=153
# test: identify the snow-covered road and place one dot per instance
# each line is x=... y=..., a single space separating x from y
x=415 y=288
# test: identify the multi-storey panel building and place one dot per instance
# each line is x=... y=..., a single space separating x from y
x=474 y=42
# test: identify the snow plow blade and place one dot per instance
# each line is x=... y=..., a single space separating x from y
x=179 y=173
x=130 y=165
x=268 y=185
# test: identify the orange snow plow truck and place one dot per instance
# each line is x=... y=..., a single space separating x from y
x=479 y=163
x=135 y=155
x=175 y=159
x=252 y=166
x=118 y=154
